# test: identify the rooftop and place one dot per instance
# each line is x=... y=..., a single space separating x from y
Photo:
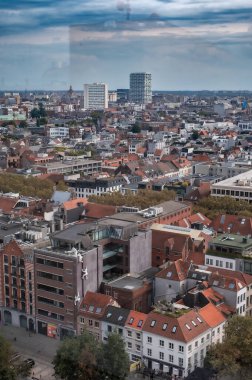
x=243 y=180
x=232 y=240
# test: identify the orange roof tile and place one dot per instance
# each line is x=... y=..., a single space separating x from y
x=73 y=203
x=136 y=320
x=212 y=315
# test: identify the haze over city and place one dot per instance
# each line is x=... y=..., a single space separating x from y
x=185 y=44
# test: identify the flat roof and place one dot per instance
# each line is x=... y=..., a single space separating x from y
x=169 y=207
x=195 y=234
x=60 y=164
x=232 y=240
x=234 y=181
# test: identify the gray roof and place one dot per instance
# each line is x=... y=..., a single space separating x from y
x=116 y=315
x=74 y=234
x=61 y=196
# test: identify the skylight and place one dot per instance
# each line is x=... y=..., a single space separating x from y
x=91 y=308
x=131 y=321
x=153 y=323
x=174 y=329
x=194 y=324
x=231 y=285
x=140 y=323
x=98 y=310
x=120 y=318
x=164 y=326
x=169 y=274
x=188 y=327
x=215 y=283
x=198 y=318
x=109 y=315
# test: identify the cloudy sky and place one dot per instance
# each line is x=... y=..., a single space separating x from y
x=185 y=44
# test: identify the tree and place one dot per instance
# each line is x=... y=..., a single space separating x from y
x=234 y=355
x=9 y=370
x=195 y=135
x=114 y=360
x=136 y=128
x=76 y=359
x=23 y=124
x=83 y=358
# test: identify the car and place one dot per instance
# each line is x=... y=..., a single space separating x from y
x=30 y=362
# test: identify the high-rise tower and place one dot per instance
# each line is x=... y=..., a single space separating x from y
x=140 y=88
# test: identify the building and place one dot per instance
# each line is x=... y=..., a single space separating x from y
x=64 y=272
x=140 y=88
x=114 y=321
x=133 y=335
x=96 y=96
x=17 y=300
x=176 y=341
x=91 y=311
x=96 y=186
x=232 y=252
x=238 y=187
x=85 y=166
x=133 y=291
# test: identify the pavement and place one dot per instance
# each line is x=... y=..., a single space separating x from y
x=36 y=346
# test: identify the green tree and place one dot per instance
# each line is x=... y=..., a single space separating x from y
x=136 y=128
x=195 y=135
x=234 y=355
x=23 y=124
x=10 y=370
x=114 y=358
x=76 y=359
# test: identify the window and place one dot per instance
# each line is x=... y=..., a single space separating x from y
x=138 y=347
x=171 y=358
x=164 y=326
x=50 y=276
x=153 y=323
x=171 y=346
x=109 y=328
x=161 y=343
x=196 y=343
x=161 y=355
x=190 y=348
x=202 y=340
x=149 y=352
x=97 y=324
x=149 y=339
x=5 y=259
x=138 y=336
x=208 y=336
x=218 y=330
x=129 y=345
x=131 y=321
x=120 y=331
x=82 y=320
x=181 y=349
x=140 y=323
x=180 y=362
x=50 y=289
x=129 y=333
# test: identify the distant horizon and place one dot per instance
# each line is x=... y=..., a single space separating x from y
x=126 y=88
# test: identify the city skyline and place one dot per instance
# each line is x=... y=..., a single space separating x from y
x=186 y=45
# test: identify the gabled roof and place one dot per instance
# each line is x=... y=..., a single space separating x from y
x=74 y=203
x=115 y=315
x=212 y=315
x=176 y=271
x=95 y=304
x=232 y=224
x=136 y=320
x=183 y=329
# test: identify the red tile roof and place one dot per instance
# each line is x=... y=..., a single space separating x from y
x=176 y=328
x=212 y=315
x=95 y=304
x=176 y=271
x=136 y=320
x=97 y=211
x=73 y=203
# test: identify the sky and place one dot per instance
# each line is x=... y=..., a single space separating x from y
x=185 y=44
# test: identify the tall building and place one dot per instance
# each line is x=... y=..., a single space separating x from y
x=96 y=96
x=140 y=88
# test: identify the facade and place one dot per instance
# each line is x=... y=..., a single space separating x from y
x=91 y=311
x=140 y=88
x=55 y=132
x=133 y=335
x=97 y=186
x=17 y=300
x=238 y=187
x=114 y=321
x=96 y=96
x=87 y=167
x=178 y=344
x=64 y=273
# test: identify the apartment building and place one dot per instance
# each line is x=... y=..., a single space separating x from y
x=140 y=88
x=17 y=296
x=96 y=186
x=64 y=272
x=177 y=342
x=114 y=321
x=96 y=96
x=133 y=335
x=238 y=187
x=91 y=311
